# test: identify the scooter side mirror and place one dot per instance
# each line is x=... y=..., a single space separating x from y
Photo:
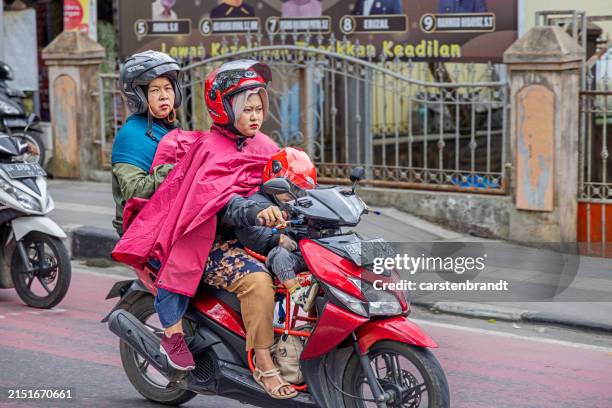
x=276 y=186
x=31 y=120
x=357 y=174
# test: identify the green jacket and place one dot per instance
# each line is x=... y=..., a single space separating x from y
x=131 y=181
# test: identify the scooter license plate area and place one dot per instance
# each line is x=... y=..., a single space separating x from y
x=23 y=170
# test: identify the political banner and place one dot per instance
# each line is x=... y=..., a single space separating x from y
x=419 y=30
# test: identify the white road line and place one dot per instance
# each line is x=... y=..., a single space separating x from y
x=514 y=336
x=37 y=313
x=104 y=275
x=84 y=208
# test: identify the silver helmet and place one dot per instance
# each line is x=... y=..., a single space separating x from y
x=142 y=68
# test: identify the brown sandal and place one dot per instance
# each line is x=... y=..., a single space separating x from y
x=274 y=392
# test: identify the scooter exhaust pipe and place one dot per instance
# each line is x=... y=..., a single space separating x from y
x=130 y=330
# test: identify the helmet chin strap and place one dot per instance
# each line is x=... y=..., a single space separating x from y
x=150 y=124
x=241 y=140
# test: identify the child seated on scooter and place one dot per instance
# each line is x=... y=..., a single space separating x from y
x=283 y=258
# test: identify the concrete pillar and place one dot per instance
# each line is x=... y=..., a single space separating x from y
x=544 y=71
x=307 y=102
x=74 y=64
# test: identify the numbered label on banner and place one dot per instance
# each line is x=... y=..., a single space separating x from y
x=272 y=26
x=374 y=24
x=144 y=28
x=347 y=24
x=428 y=23
x=141 y=28
x=212 y=26
x=205 y=27
x=312 y=25
x=458 y=23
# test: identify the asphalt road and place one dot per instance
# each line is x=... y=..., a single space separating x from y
x=488 y=364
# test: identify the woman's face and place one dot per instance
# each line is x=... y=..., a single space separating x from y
x=252 y=116
x=160 y=96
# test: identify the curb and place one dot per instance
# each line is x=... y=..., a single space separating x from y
x=480 y=310
x=553 y=318
x=92 y=242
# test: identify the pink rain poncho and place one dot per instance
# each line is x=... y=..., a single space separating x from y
x=177 y=225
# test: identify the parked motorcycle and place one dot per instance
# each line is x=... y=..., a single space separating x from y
x=13 y=117
x=361 y=349
x=34 y=260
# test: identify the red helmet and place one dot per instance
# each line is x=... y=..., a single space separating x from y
x=229 y=79
x=294 y=165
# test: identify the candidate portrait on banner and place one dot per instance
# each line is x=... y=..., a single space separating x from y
x=301 y=8
x=462 y=6
x=377 y=7
x=232 y=9
x=162 y=10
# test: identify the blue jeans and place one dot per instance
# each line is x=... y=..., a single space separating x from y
x=227 y=262
x=170 y=307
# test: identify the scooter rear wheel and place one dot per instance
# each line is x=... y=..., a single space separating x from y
x=411 y=374
x=47 y=285
x=148 y=382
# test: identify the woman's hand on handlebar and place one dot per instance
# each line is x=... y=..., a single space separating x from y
x=271 y=217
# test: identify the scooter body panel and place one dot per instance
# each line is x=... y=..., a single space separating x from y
x=331 y=268
x=398 y=329
x=23 y=225
x=334 y=325
x=220 y=313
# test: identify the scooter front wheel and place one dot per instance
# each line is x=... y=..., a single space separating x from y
x=411 y=375
x=47 y=281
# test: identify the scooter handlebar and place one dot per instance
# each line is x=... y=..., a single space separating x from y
x=261 y=223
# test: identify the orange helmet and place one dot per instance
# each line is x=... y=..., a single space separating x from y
x=294 y=165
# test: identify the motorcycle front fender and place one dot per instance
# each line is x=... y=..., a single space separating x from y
x=24 y=225
x=398 y=329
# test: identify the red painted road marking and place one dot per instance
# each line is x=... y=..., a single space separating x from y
x=73 y=330
x=484 y=369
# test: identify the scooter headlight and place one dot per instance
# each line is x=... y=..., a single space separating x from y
x=380 y=302
x=29 y=203
x=50 y=204
x=349 y=301
x=7 y=109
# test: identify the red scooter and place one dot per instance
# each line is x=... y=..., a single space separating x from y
x=360 y=349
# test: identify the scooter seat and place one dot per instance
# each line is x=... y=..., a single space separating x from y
x=226 y=297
